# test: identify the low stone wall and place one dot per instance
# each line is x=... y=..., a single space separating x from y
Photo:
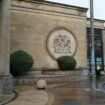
x=52 y=78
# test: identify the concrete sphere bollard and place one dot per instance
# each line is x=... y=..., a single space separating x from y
x=41 y=84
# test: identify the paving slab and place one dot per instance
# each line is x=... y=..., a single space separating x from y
x=29 y=95
x=75 y=93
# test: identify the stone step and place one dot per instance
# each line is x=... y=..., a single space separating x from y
x=64 y=72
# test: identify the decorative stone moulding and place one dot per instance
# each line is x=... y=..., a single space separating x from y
x=61 y=42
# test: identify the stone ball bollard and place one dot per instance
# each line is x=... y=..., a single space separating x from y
x=41 y=84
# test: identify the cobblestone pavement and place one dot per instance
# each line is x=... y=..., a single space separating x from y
x=28 y=95
x=77 y=93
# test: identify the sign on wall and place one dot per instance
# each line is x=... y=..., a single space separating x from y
x=60 y=43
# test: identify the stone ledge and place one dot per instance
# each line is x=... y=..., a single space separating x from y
x=63 y=72
x=51 y=79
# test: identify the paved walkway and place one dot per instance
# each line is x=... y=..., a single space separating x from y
x=77 y=93
x=29 y=95
x=74 y=93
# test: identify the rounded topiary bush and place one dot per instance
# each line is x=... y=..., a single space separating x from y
x=66 y=63
x=20 y=62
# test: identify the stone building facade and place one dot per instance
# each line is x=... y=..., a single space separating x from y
x=34 y=21
x=30 y=25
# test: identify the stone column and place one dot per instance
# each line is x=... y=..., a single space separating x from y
x=5 y=46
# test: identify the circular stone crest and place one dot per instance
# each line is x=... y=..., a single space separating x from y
x=61 y=43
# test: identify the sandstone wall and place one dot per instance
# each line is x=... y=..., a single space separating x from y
x=33 y=21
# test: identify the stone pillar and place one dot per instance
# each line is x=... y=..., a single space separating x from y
x=5 y=46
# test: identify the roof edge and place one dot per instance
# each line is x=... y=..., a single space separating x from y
x=101 y=20
x=56 y=3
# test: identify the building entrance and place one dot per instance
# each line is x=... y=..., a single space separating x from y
x=99 y=61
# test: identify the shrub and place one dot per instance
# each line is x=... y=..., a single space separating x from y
x=20 y=62
x=66 y=62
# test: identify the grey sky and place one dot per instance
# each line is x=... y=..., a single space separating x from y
x=99 y=6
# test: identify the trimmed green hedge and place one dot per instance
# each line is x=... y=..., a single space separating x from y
x=20 y=62
x=66 y=63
